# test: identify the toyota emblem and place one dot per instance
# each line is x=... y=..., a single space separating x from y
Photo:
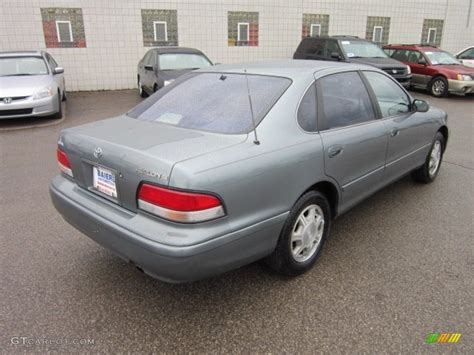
x=7 y=100
x=98 y=152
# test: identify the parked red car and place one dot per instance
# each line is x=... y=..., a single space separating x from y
x=434 y=69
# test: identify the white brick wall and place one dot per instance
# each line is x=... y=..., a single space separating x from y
x=114 y=32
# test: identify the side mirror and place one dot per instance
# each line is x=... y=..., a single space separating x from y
x=336 y=55
x=149 y=67
x=420 y=105
x=217 y=63
x=58 y=70
x=422 y=61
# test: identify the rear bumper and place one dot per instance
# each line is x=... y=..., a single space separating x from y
x=127 y=235
x=29 y=107
x=461 y=86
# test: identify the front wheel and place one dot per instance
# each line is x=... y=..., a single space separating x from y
x=59 y=114
x=429 y=170
x=141 y=92
x=439 y=87
x=303 y=235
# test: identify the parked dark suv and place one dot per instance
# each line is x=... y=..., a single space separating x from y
x=354 y=50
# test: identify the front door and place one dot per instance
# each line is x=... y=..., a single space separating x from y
x=354 y=140
x=408 y=137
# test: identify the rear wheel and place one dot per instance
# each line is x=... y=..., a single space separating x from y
x=429 y=170
x=302 y=236
x=438 y=87
x=155 y=88
x=141 y=91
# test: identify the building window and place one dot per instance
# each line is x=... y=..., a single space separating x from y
x=315 y=30
x=378 y=33
x=315 y=25
x=432 y=35
x=242 y=28
x=432 y=31
x=378 y=29
x=159 y=27
x=64 y=31
x=63 y=27
x=160 y=30
x=243 y=31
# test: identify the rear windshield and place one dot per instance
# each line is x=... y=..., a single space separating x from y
x=213 y=102
x=182 y=61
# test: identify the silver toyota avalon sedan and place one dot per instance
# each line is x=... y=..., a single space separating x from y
x=231 y=164
x=31 y=85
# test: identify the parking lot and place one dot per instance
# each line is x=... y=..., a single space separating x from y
x=396 y=268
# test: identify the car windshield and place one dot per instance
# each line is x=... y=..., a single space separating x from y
x=362 y=49
x=13 y=66
x=178 y=61
x=213 y=102
x=441 y=58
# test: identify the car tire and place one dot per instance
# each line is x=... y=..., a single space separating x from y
x=303 y=235
x=439 y=87
x=59 y=114
x=141 y=91
x=429 y=170
x=64 y=97
x=155 y=88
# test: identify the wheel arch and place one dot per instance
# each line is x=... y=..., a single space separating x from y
x=329 y=190
x=444 y=131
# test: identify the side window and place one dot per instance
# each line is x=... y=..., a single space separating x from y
x=332 y=47
x=307 y=110
x=51 y=61
x=413 y=56
x=391 y=98
x=401 y=55
x=345 y=101
x=469 y=54
x=316 y=48
x=146 y=58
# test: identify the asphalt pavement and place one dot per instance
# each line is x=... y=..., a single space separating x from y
x=397 y=267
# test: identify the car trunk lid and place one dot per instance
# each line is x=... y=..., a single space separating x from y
x=134 y=151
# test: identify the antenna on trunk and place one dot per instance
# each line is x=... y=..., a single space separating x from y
x=256 y=141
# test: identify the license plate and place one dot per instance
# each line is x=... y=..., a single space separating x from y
x=104 y=181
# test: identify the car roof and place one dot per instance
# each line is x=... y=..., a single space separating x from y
x=335 y=38
x=291 y=68
x=169 y=49
x=21 y=53
x=418 y=47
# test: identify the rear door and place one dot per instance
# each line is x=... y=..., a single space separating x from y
x=354 y=140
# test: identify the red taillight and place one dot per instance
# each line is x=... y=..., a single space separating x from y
x=179 y=206
x=63 y=161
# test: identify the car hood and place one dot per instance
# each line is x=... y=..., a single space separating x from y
x=12 y=86
x=381 y=63
x=458 y=68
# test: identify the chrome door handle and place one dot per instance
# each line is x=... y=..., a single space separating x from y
x=395 y=132
x=335 y=150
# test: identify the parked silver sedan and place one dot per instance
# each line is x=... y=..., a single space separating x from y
x=31 y=85
x=236 y=163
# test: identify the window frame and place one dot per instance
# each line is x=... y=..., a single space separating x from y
x=321 y=117
x=154 y=31
x=311 y=32
x=238 y=31
x=313 y=84
x=71 y=37
x=374 y=99
x=381 y=34
x=430 y=30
